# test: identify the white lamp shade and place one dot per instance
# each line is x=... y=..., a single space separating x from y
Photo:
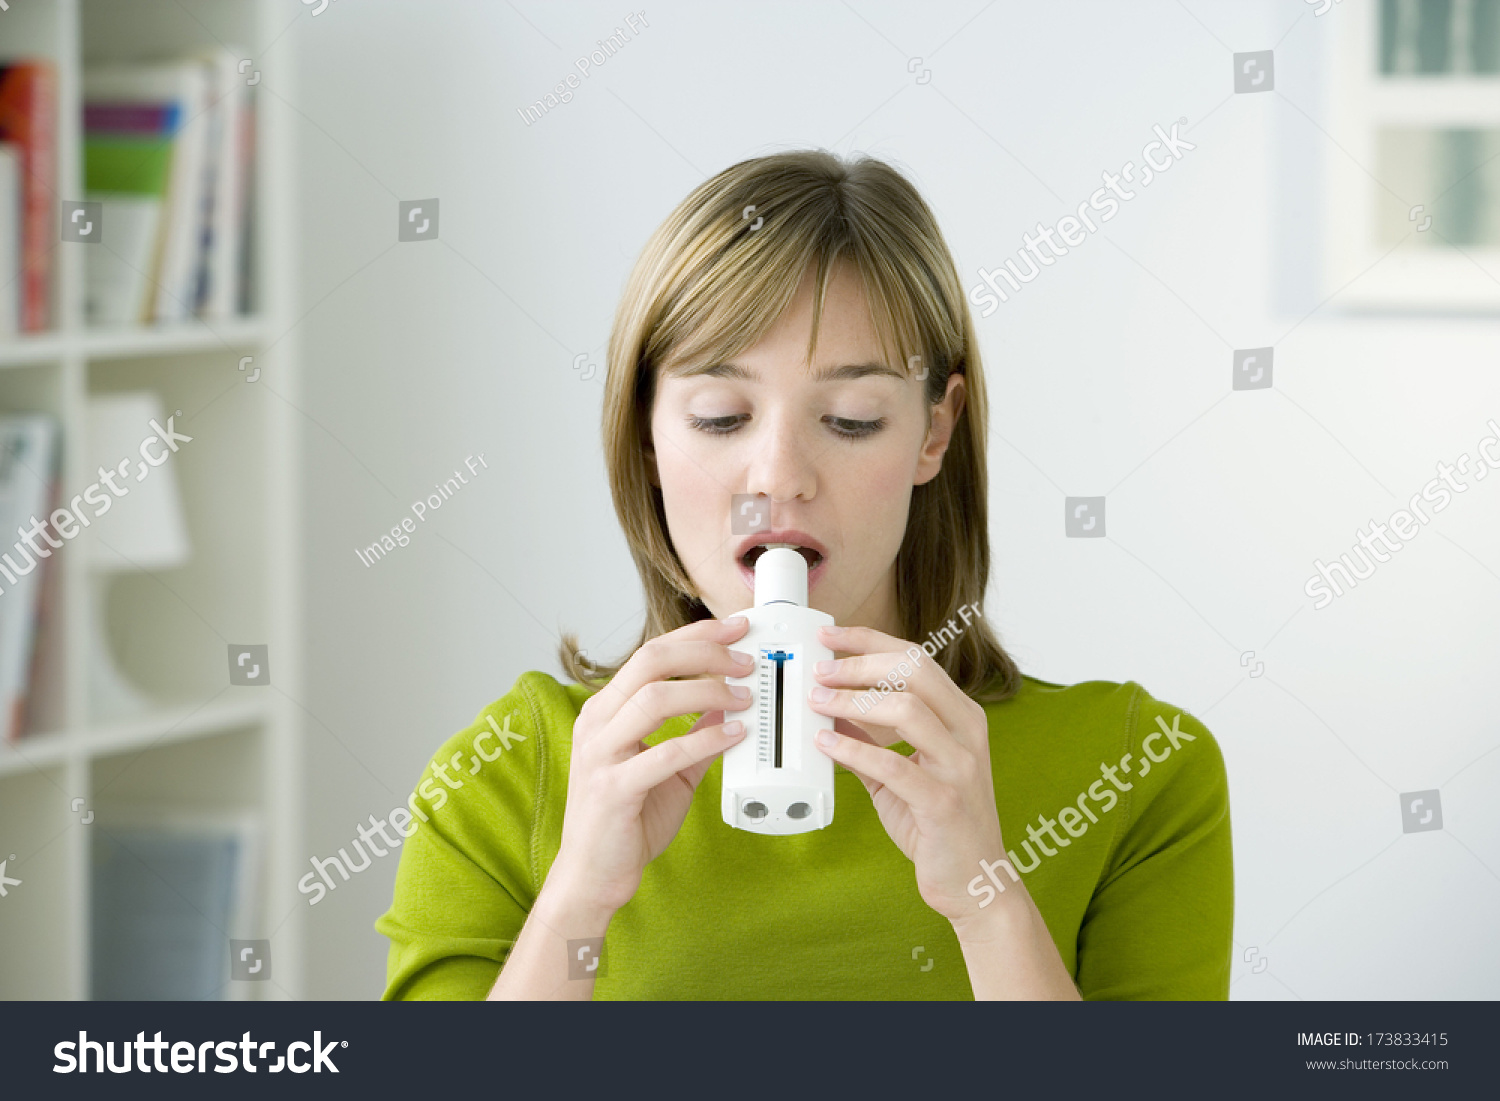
x=144 y=529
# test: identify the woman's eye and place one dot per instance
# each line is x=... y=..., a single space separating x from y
x=854 y=430
x=842 y=426
x=715 y=426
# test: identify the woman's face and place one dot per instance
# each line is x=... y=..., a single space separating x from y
x=825 y=454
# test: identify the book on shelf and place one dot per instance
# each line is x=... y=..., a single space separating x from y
x=28 y=120
x=165 y=153
x=170 y=888
x=224 y=207
x=11 y=208
x=28 y=488
x=244 y=284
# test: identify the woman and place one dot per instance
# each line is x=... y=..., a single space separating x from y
x=795 y=336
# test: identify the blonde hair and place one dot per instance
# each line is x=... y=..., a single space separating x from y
x=712 y=281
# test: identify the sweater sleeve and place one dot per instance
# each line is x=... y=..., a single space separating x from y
x=1160 y=923
x=467 y=877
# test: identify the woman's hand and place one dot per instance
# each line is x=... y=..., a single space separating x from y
x=627 y=801
x=938 y=805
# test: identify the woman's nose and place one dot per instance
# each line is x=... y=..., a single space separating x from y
x=781 y=467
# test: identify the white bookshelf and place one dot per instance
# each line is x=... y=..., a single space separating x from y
x=204 y=744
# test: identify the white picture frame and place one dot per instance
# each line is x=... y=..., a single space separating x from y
x=1364 y=268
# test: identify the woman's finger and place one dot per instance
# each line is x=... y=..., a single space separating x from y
x=656 y=703
x=861 y=640
x=696 y=649
x=903 y=776
x=645 y=770
x=865 y=670
x=877 y=657
x=903 y=712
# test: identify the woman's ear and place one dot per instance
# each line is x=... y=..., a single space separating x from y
x=944 y=418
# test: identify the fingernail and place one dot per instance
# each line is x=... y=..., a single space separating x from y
x=734 y=729
x=734 y=621
x=823 y=668
x=827 y=738
x=740 y=692
x=832 y=630
x=821 y=694
x=743 y=659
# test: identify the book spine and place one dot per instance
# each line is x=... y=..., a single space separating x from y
x=245 y=226
x=25 y=705
x=38 y=136
x=211 y=195
x=148 y=119
x=30 y=477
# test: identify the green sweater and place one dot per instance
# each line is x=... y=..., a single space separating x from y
x=1137 y=892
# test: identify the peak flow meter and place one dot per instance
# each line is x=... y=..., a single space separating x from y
x=776 y=780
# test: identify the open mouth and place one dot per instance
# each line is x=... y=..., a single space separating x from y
x=749 y=557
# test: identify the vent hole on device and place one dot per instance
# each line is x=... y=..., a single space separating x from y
x=755 y=810
x=798 y=810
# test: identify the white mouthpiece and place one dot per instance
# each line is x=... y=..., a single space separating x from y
x=781 y=577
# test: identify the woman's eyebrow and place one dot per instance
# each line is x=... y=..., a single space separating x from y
x=823 y=374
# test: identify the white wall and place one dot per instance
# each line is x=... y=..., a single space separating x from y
x=1110 y=376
